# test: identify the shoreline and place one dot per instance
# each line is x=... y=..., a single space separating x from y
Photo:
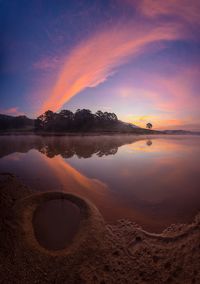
x=126 y=254
x=49 y=134
x=100 y=133
x=76 y=133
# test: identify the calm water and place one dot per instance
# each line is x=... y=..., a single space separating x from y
x=53 y=224
x=154 y=181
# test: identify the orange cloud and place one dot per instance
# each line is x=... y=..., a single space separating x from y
x=164 y=122
x=159 y=122
x=94 y=60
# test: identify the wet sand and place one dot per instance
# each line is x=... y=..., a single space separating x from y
x=119 y=253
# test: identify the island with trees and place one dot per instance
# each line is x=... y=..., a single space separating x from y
x=81 y=121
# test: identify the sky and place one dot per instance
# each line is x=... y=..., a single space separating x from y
x=137 y=58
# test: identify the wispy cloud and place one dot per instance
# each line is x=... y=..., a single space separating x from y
x=47 y=63
x=94 y=60
x=180 y=91
x=171 y=93
x=173 y=99
x=186 y=10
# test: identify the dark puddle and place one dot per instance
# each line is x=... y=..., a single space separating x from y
x=55 y=223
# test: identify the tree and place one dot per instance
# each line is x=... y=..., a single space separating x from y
x=65 y=120
x=149 y=125
x=105 y=120
x=149 y=143
x=83 y=119
x=46 y=121
x=67 y=114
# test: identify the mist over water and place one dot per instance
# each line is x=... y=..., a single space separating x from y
x=152 y=180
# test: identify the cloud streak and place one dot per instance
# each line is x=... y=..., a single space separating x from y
x=94 y=60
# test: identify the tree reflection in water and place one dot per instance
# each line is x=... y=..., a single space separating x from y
x=66 y=146
x=149 y=142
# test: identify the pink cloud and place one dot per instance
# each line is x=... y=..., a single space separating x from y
x=173 y=92
x=176 y=92
x=94 y=60
x=185 y=10
x=11 y=111
x=172 y=100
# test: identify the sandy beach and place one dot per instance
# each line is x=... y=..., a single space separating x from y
x=119 y=253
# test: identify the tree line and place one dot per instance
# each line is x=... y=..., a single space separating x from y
x=81 y=120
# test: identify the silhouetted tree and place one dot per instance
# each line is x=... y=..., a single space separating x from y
x=66 y=114
x=149 y=142
x=149 y=125
x=46 y=121
x=83 y=119
x=105 y=119
x=65 y=120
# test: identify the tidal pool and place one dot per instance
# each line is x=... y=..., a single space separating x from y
x=56 y=223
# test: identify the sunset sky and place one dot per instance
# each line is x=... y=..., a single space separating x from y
x=137 y=58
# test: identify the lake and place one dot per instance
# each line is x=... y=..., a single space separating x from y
x=152 y=180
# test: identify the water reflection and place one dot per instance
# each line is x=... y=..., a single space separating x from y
x=52 y=223
x=67 y=147
x=154 y=184
x=149 y=142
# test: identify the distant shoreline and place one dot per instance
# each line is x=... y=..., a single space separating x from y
x=83 y=133
x=148 y=132
x=81 y=123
